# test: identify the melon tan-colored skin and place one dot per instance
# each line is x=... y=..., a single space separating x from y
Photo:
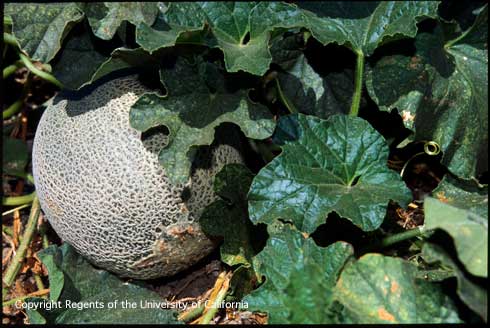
x=104 y=192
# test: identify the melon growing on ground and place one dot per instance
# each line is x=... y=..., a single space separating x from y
x=104 y=192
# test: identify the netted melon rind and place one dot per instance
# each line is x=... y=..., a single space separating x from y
x=104 y=191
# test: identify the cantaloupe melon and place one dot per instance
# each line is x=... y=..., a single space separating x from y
x=104 y=192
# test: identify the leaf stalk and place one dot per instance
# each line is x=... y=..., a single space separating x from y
x=356 y=97
x=290 y=107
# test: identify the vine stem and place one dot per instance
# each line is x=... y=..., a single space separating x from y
x=29 y=230
x=16 y=106
x=396 y=238
x=212 y=311
x=42 y=232
x=8 y=230
x=26 y=176
x=13 y=109
x=39 y=284
x=46 y=76
x=356 y=97
x=21 y=298
x=9 y=39
x=192 y=314
x=18 y=200
x=222 y=283
x=23 y=201
x=450 y=43
x=7 y=20
x=9 y=70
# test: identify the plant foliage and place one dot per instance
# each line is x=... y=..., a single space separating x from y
x=322 y=134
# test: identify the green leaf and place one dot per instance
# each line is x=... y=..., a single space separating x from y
x=83 y=283
x=240 y=29
x=198 y=101
x=14 y=156
x=41 y=27
x=337 y=165
x=473 y=295
x=471 y=198
x=303 y=89
x=435 y=274
x=468 y=230
x=81 y=64
x=287 y=47
x=442 y=94
x=299 y=275
x=242 y=282
x=382 y=289
x=364 y=27
x=228 y=218
x=78 y=61
x=35 y=317
x=52 y=258
x=174 y=24
x=232 y=184
x=106 y=17
x=84 y=58
x=309 y=93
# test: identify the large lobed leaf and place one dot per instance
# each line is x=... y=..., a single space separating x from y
x=177 y=24
x=305 y=283
x=442 y=93
x=462 y=211
x=461 y=195
x=80 y=64
x=468 y=229
x=299 y=275
x=241 y=29
x=41 y=27
x=337 y=165
x=383 y=289
x=77 y=62
x=473 y=295
x=228 y=218
x=302 y=88
x=198 y=101
x=364 y=27
x=72 y=278
x=106 y=17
